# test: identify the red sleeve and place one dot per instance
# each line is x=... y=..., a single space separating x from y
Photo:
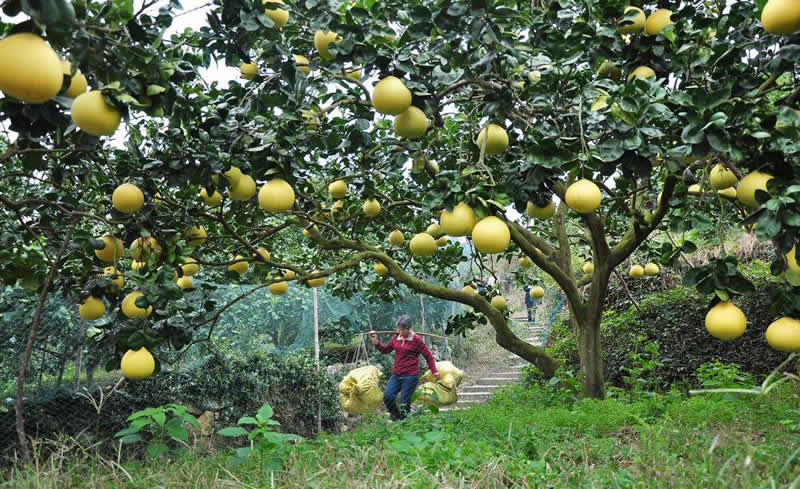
x=423 y=348
x=385 y=348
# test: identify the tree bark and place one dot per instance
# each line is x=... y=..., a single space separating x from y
x=37 y=316
x=591 y=355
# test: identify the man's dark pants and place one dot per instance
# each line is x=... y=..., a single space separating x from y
x=405 y=385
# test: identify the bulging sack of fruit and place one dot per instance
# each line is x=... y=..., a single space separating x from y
x=449 y=375
x=359 y=391
x=441 y=392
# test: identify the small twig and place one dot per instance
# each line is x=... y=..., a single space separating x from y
x=627 y=291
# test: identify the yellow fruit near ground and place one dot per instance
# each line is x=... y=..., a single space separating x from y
x=276 y=195
x=232 y=175
x=499 y=302
x=190 y=266
x=92 y=308
x=391 y=96
x=781 y=17
x=497 y=141
x=657 y=21
x=381 y=269
x=583 y=196
x=469 y=290
x=245 y=189
x=632 y=23
x=637 y=271
x=302 y=63
x=138 y=364
x=94 y=116
x=315 y=282
x=784 y=335
x=116 y=277
x=196 y=235
x=113 y=251
x=641 y=72
x=29 y=68
x=491 y=235
x=338 y=189
x=129 y=308
x=212 y=201
x=322 y=41
x=278 y=15
x=264 y=254
x=411 y=124
x=545 y=212
x=241 y=266
x=588 y=268
x=746 y=190
x=459 y=222
x=248 y=70
x=721 y=177
x=77 y=82
x=127 y=198
x=536 y=292
x=396 y=238
x=278 y=288
x=729 y=192
x=371 y=208
x=289 y=274
x=143 y=248
x=422 y=244
x=525 y=261
x=434 y=230
x=185 y=282
x=651 y=269
x=725 y=321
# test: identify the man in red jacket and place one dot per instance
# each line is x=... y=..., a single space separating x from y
x=407 y=347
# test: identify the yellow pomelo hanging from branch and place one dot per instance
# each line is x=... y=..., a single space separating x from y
x=583 y=196
x=391 y=96
x=138 y=364
x=276 y=196
x=29 y=68
x=725 y=321
x=94 y=116
x=491 y=235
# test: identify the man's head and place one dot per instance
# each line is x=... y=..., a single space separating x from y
x=404 y=324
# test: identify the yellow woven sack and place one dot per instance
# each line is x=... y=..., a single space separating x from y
x=449 y=375
x=444 y=395
x=359 y=391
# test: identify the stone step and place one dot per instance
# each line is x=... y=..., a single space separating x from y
x=497 y=379
x=460 y=404
x=478 y=396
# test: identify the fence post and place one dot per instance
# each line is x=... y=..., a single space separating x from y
x=316 y=356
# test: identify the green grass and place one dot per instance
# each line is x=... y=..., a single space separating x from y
x=523 y=438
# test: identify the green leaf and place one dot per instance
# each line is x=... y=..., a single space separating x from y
x=244 y=452
x=130 y=439
x=265 y=412
x=722 y=294
x=156 y=449
x=159 y=417
x=232 y=431
x=247 y=420
x=178 y=433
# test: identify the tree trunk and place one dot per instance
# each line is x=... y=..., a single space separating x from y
x=591 y=355
x=79 y=356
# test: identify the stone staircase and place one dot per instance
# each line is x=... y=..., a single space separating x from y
x=483 y=389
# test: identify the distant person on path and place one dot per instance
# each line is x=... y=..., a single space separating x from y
x=407 y=347
x=529 y=304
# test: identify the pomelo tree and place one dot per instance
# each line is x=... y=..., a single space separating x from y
x=440 y=118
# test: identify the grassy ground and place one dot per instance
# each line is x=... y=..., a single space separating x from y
x=539 y=437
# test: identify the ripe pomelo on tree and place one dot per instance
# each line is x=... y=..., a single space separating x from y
x=588 y=268
x=396 y=238
x=263 y=253
x=729 y=192
x=190 y=266
x=499 y=302
x=637 y=271
x=525 y=261
x=497 y=140
x=30 y=69
x=632 y=23
x=77 y=82
x=791 y=261
x=113 y=250
x=196 y=235
x=784 y=335
x=127 y=198
x=302 y=63
x=422 y=244
x=491 y=235
x=143 y=248
x=289 y=274
x=781 y=17
x=583 y=196
x=434 y=230
x=371 y=208
x=138 y=265
x=391 y=96
x=657 y=21
x=185 y=282
x=322 y=41
x=694 y=189
x=651 y=269
x=536 y=292
x=746 y=190
x=138 y=364
x=232 y=175
x=641 y=72
x=241 y=266
x=248 y=70
x=276 y=195
x=116 y=277
x=442 y=241
x=725 y=321
x=460 y=221
x=545 y=212
x=469 y=290
x=353 y=74
x=381 y=269
x=411 y=124
x=92 y=308
x=721 y=177
x=307 y=233
x=338 y=189
x=278 y=15
x=129 y=308
x=278 y=288
x=212 y=201
x=315 y=282
x=244 y=189
x=93 y=115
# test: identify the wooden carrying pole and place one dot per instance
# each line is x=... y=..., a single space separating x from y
x=395 y=332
